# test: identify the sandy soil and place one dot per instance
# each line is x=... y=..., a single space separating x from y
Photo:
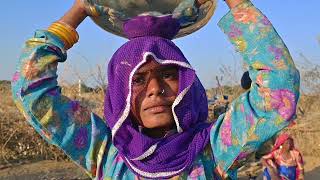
x=53 y=170
x=50 y=170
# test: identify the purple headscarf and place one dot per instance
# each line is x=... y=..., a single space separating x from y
x=155 y=157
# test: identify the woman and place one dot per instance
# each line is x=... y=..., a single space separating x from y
x=155 y=106
x=285 y=161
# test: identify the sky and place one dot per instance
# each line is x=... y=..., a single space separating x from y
x=208 y=49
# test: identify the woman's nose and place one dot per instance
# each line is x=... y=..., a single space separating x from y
x=154 y=87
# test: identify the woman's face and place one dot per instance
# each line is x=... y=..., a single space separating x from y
x=287 y=146
x=154 y=89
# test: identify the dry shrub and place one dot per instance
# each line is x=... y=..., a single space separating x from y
x=310 y=75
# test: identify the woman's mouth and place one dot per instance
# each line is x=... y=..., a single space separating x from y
x=158 y=109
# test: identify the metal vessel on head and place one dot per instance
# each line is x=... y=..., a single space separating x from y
x=110 y=14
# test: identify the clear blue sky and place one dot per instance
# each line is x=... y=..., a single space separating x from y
x=297 y=22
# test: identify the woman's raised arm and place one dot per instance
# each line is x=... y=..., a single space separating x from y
x=66 y=123
x=270 y=104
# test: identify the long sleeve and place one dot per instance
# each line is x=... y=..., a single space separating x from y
x=270 y=104
x=82 y=135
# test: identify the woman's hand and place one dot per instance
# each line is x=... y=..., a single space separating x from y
x=272 y=171
x=75 y=15
x=264 y=162
x=234 y=3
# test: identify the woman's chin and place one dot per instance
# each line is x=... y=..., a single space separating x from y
x=157 y=120
x=158 y=123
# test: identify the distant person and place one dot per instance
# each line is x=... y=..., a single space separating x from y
x=284 y=162
x=155 y=110
x=219 y=105
x=245 y=81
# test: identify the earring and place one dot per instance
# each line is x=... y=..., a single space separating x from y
x=162 y=92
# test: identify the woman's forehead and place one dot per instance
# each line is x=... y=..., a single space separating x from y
x=152 y=65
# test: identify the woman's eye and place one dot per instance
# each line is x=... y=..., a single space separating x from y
x=169 y=75
x=137 y=81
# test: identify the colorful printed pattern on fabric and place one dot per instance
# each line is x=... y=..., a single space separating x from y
x=252 y=119
x=270 y=104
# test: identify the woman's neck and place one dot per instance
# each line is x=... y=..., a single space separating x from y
x=157 y=132
x=285 y=151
